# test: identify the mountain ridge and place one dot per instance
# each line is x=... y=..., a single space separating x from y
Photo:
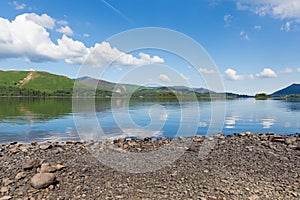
x=289 y=90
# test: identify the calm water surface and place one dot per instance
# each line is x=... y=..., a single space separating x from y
x=26 y=120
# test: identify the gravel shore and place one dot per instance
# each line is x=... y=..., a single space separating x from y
x=242 y=166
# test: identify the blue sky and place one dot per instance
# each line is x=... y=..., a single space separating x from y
x=254 y=44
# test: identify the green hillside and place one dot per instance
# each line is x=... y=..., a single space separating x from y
x=11 y=78
x=34 y=83
x=48 y=82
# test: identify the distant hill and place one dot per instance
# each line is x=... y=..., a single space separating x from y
x=106 y=85
x=187 y=89
x=35 y=83
x=156 y=92
x=292 y=89
x=110 y=86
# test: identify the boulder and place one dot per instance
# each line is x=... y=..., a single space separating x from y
x=42 y=180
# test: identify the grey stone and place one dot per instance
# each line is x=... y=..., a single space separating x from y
x=29 y=164
x=42 y=180
x=45 y=146
x=20 y=175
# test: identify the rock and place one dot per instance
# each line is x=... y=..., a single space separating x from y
x=30 y=164
x=290 y=140
x=197 y=139
x=294 y=194
x=59 y=166
x=5 y=198
x=269 y=133
x=295 y=147
x=14 y=150
x=4 y=189
x=248 y=133
x=6 y=181
x=46 y=167
x=20 y=175
x=42 y=180
x=253 y=197
x=192 y=148
x=45 y=146
x=23 y=148
x=205 y=171
x=58 y=150
x=278 y=138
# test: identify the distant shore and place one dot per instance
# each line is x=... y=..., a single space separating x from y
x=241 y=166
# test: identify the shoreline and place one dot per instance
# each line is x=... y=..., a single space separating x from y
x=241 y=166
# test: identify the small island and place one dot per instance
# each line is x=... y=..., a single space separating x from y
x=262 y=96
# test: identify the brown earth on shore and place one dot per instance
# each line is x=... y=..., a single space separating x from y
x=242 y=166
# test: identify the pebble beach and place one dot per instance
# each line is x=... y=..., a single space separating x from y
x=241 y=166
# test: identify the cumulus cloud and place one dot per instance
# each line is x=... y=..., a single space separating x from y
x=206 y=71
x=232 y=75
x=164 y=78
x=86 y=35
x=227 y=19
x=43 y=20
x=244 y=35
x=17 y=5
x=28 y=37
x=282 y=9
x=267 y=73
x=65 y=30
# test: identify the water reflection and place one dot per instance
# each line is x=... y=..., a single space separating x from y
x=33 y=119
x=33 y=109
x=293 y=106
x=267 y=123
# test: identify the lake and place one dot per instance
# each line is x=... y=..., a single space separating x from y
x=57 y=119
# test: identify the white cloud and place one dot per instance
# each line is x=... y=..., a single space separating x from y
x=183 y=76
x=298 y=69
x=282 y=9
x=36 y=45
x=18 y=6
x=257 y=27
x=86 y=35
x=65 y=30
x=103 y=54
x=267 y=73
x=43 y=20
x=232 y=75
x=287 y=71
x=164 y=78
x=206 y=71
x=286 y=27
x=62 y=22
x=147 y=58
x=244 y=35
x=227 y=19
